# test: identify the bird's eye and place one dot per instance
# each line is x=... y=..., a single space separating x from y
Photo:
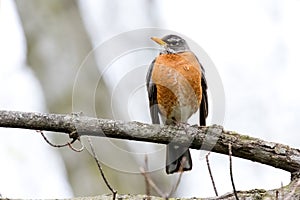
x=174 y=43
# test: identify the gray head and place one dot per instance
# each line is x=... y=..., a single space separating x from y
x=172 y=43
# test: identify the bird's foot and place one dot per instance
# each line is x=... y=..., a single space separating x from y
x=183 y=125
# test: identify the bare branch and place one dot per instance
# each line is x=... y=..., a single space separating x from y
x=114 y=192
x=69 y=144
x=148 y=189
x=254 y=149
x=293 y=188
x=175 y=187
x=210 y=174
x=251 y=194
x=151 y=183
x=231 y=174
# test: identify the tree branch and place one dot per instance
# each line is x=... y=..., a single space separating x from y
x=212 y=138
x=289 y=192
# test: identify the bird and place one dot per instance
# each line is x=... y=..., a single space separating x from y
x=177 y=88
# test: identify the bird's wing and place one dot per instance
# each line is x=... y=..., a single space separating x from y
x=203 y=110
x=152 y=95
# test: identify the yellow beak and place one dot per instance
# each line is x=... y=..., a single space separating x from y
x=159 y=41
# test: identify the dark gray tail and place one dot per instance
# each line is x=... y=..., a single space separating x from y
x=175 y=155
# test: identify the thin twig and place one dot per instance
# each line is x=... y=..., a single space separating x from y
x=148 y=188
x=178 y=182
x=77 y=150
x=175 y=187
x=230 y=168
x=50 y=143
x=210 y=174
x=114 y=192
x=293 y=191
x=151 y=183
x=281 y=189
x=69 y=144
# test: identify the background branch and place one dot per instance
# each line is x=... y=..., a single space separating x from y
x=292 y=191
x=213 y=138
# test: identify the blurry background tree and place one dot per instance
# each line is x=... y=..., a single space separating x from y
x=24 y=157
x=254 y=44
x=58 y=43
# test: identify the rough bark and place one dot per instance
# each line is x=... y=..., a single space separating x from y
x=289 y=192
x=213 y=138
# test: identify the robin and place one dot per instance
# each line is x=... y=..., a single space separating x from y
x=176 y=89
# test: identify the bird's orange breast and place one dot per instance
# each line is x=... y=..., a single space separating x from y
x=178 y=81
